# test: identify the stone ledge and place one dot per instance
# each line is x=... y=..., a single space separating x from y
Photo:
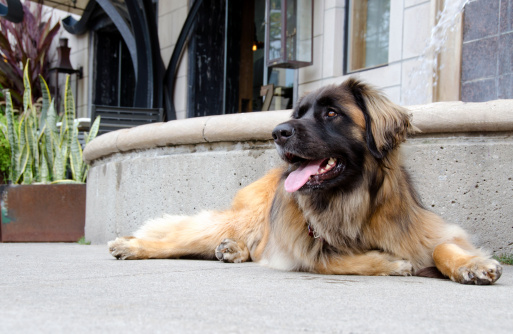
x=441 y=117
x=447 y=117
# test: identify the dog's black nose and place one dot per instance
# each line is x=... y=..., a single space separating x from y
x=282 y=133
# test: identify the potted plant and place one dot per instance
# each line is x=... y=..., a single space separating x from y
x=45 y=200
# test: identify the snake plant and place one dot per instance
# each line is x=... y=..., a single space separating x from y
x=41 y=152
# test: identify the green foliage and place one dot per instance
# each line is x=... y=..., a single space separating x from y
x=40 y=151
x=5 y=150
x=82 y=241
x=504 y=258
x=30 y=39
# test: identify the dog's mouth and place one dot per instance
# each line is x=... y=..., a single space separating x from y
x=312 y=173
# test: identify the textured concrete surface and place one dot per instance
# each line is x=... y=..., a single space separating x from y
x=70 y=288
x=468 y=180
x=125 y=191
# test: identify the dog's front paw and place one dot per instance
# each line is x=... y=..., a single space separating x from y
x=121 y=249
x=479 y=271
x=402 y=268
x=232 y=251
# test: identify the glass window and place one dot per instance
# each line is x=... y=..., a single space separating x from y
x=367 y=34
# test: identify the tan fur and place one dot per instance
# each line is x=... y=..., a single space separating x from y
x=357 y=116
x=363 y=233
x=391 y=123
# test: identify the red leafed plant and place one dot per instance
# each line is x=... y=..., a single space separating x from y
x=30 y=39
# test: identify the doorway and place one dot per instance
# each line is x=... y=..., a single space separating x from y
x=227 y=61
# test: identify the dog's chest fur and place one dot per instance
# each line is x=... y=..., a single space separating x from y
x=337 y=219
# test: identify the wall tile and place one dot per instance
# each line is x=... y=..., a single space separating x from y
x=180 y=114
x=416 y=31
x=479 y=59
x=167 y=6
x=393 y=94
x=75 y=42
x=82 y=91
x=384 y=76
x=166 y=53
x=170 y=25
x=479 y=91
x=416 y=83
x=318 y=19
x=178 y=20
x=481 y=19
x=165 y=31
x=313 y=72
x=309 y=87
x=410 y=3
x=80 y=59
x=180 y=94
x=505 y=87
x=506 y=16
x=334 y=81
x=333 y=42
x=182 y=65
x=328 y=4
x=82 y=112
x=396 y=31
x=506 y=53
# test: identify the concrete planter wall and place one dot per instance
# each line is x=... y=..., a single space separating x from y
x=43 y=213
x=461 y=164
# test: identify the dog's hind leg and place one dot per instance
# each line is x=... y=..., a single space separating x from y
x=174 y=237
x=462 y=263
x=131 y=248
x=234 y=235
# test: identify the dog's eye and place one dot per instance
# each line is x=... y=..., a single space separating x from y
x=331 y=113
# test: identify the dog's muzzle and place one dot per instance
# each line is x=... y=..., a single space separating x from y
x=282 y=133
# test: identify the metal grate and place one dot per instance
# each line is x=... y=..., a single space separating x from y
x=115 y=118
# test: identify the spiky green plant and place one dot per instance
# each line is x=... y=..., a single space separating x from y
x=5 y=149
x=40 y=151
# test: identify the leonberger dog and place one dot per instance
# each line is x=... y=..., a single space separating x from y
x=342 y=204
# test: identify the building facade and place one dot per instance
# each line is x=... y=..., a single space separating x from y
x=416 y=51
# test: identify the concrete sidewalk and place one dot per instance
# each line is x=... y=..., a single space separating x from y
x=70 y=288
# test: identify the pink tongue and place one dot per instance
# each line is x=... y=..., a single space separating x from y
x=300 y=176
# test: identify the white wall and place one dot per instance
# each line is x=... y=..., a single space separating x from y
x=79 y=57
x=172 y=15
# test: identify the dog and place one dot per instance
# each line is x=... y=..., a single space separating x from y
x=342 y=204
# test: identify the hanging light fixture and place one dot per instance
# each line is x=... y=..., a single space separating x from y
x=63 y=67
x=289 y=32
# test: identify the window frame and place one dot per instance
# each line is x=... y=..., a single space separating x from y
x=347 y=46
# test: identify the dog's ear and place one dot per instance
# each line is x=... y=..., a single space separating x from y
x=387 y=124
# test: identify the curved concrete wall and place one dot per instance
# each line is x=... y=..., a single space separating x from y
x=461 y=164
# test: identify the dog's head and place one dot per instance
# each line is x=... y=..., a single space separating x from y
x=333 y=130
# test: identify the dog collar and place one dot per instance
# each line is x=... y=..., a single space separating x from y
x=313 y=234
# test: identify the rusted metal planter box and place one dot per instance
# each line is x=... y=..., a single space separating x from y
x=43 y=213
